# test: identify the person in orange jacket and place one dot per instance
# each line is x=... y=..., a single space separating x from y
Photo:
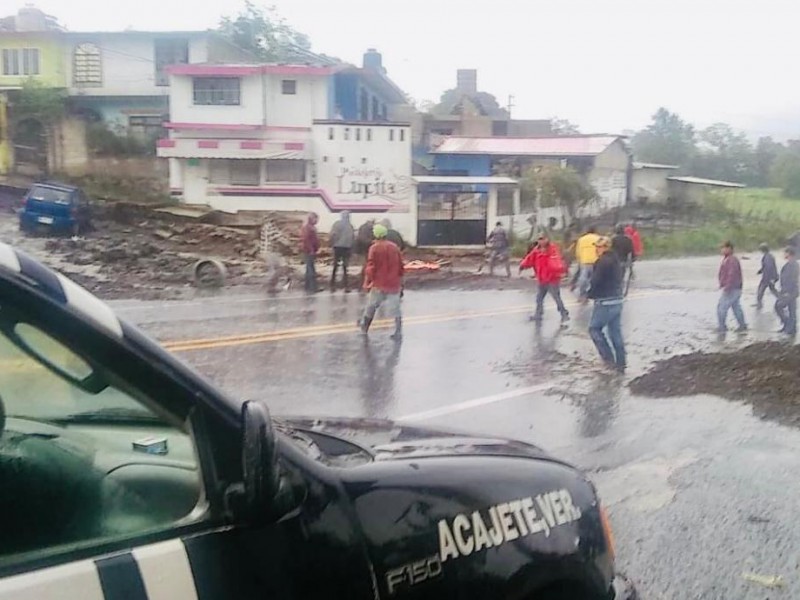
x=548 y=267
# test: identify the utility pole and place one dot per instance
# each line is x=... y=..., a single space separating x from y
x=510 y=105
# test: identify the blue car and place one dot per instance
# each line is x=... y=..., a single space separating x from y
x=56 y=207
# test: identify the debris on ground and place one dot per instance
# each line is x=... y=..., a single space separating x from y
x=151 y=251
x=765 y=375
x=768 y=581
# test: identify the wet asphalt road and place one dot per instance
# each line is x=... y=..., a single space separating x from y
x=699 y=490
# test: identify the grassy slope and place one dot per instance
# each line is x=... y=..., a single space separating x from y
x=746 y=217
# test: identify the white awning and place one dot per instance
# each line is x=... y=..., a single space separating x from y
x=239 y=149
x=221 y=153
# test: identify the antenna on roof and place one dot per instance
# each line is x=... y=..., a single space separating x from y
x=510 y=105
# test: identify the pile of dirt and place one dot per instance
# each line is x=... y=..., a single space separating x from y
x=766 y=375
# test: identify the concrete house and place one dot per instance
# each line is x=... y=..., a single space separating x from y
x=649 y=181
x=290 y=138
x=121 y=79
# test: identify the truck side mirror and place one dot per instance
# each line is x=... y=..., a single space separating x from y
x=260 y=470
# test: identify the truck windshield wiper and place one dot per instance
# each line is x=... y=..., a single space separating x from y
x=118 y=415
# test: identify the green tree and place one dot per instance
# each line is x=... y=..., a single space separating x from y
x=766 y=153
x=36 y=101
x=557 y=186
x=785 y=172
x=563 y=127
x=267 y=35
x=725 y=154
x=668 y=140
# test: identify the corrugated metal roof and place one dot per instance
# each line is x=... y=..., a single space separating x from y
x=463 y=180
x=587 y=145
x=644 y=165
x=701 y=181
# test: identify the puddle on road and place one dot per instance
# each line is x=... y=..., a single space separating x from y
x=765 y=375
x=642 y=486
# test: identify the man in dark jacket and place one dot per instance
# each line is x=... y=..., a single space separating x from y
x=606 y=291
x=342 y=238
x=730 y=282
x=769 y=275
x=309 y=244
x=623 y=246
x=499 y=249
x=786 y=304
x=361 y=247
x=393 y=235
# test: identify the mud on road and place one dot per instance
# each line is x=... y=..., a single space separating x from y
x=134 y=251
x=766 y=375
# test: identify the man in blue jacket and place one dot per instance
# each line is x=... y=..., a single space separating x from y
x=769 y=275
x=606 y=291
x=786 y=304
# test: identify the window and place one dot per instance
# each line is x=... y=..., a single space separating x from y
x=286 y=170
x=218 y=171
x=369 y=135
x=87 y=70
x=245 y=172
x=30 y=61
x=145 y=128
x=90 y=458
x=358 y=134
x=331 y=133
x=235 y=171
x=364 y=161
x=391 y=135
x=170 y=52
x=289 y=87
x=217 y=91
x=346 y=133
x=23 y=61
x=402 y=135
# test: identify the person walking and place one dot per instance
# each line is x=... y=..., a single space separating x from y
x=384 y=280
x=393 y=235
x=730 y=282
x=638 y=245
x=342 y=237
x=786 y=304
x=309 y=244
x=499 y=249
x=606 y=291
x=361 y=247
x=586 y=254
x=623 y=246
x=769 y=275
x=548 y=266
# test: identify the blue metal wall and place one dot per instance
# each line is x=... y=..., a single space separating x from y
x=472 y=165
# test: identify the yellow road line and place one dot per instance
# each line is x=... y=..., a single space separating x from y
x=335 y=328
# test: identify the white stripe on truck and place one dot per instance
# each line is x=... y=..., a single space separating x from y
x=166 y=571
x=77 y=580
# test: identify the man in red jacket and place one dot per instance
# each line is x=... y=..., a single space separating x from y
x=383 y=278
x=548 y=266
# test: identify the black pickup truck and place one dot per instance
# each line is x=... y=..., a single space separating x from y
x=125 y=475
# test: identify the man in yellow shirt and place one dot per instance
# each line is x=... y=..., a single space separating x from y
x=586 y=255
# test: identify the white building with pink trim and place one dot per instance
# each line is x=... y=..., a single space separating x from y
x=291 y=137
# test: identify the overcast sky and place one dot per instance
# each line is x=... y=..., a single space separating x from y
x=606 y=65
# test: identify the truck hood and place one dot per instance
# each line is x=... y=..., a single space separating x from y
x=389 y=440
